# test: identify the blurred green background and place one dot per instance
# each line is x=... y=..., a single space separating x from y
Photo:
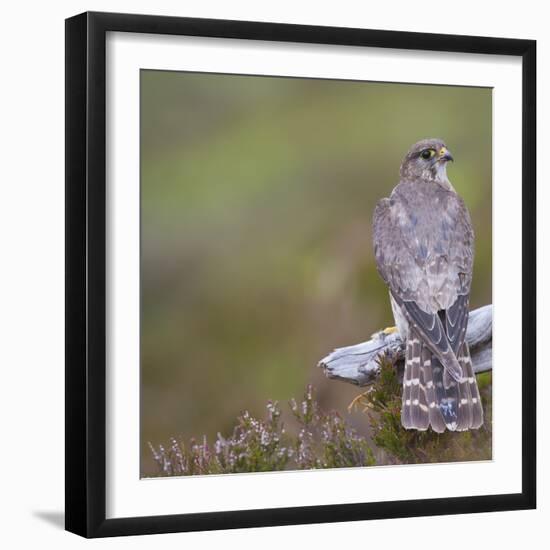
x=257 y=198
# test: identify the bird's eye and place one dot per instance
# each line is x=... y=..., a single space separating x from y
x=427 y=154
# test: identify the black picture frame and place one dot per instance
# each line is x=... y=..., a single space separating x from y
x=86 y=275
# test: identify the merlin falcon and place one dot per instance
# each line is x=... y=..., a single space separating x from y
x=424 y=249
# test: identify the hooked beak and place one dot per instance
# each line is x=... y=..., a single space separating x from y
x=445 y=155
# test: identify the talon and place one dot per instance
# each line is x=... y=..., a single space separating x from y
x=356 y=400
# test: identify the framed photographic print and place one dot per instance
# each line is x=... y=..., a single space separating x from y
x=300 y=274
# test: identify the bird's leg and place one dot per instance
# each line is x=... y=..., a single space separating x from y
x=357 y=401
x=389 y=330
x=362 y=399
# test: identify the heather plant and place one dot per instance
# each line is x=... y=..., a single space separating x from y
x=254 y=446
x=323 y=440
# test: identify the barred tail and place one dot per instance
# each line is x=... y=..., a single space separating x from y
x=414 y=405
x=406 y=416
x=426 y=399
x=470 y=392
x=436 y=418
x=446 y=395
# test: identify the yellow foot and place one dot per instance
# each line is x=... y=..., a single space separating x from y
x=389 y=330
x=357 y=401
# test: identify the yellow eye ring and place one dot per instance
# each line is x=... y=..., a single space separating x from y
x=427 y=154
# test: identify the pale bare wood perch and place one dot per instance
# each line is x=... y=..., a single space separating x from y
x=359 y=365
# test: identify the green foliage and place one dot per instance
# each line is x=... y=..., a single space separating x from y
x=322 y=441
x=325 y=440
x=382 y=404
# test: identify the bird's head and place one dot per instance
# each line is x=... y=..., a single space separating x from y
x=427 y=160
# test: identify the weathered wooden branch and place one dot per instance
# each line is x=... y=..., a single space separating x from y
x=359 y=364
